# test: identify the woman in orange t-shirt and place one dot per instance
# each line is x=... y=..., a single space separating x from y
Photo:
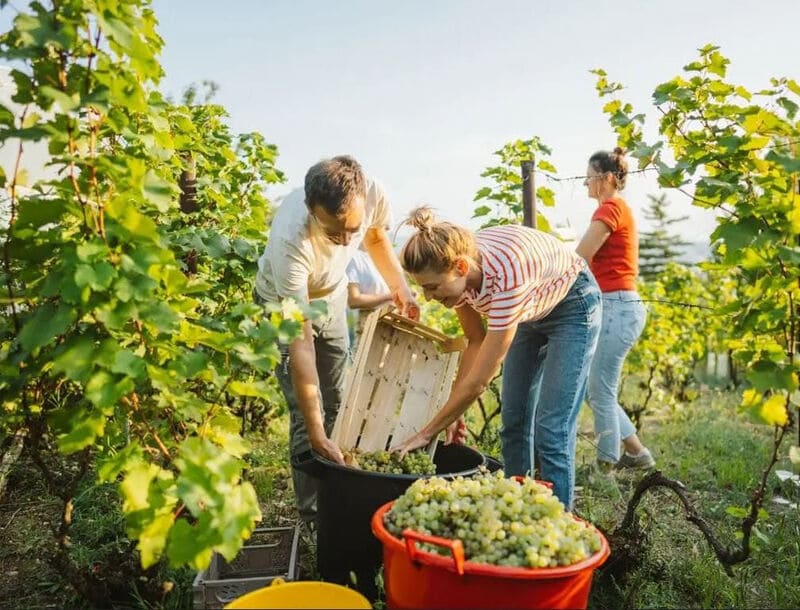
x=611 y=246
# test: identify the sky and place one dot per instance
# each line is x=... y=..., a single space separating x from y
x=423 y=92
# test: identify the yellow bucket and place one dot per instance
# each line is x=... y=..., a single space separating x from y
x=303 y=594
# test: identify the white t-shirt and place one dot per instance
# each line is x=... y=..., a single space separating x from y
x=362 y=271
x=299 y=261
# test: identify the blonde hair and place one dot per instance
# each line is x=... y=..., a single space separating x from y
x=436 y=245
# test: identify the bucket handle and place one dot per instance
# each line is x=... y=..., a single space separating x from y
x=308 y=463
x=520 y=479
x=411 y=537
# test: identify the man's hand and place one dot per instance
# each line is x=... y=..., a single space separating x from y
x=326 y=448
x=456 y=433
x=404 y=300
x=420 y=439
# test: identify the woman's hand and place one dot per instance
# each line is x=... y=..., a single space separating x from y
x=456 y=432
x=420 y=439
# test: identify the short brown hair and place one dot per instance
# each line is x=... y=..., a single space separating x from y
x=614 y=162
x=436 y=245
x=333 y=183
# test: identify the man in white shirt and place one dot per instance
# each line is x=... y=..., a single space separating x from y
x=312 y=238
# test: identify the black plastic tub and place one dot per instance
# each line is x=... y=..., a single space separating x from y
x=347 y=499
x=492 y=463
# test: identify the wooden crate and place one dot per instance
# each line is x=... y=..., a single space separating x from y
x=401 y=375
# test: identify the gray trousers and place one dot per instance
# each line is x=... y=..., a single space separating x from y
x=331 y=344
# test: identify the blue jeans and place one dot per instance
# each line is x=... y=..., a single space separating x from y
x=544 y=382
x=624 y=317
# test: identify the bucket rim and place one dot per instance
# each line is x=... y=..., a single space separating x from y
x=402 y=477
x=254 y=599
x=484 y=569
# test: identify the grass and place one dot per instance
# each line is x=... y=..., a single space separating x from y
x=271 y=477
x=28 y=515
x=25 y=518
x=717 y=454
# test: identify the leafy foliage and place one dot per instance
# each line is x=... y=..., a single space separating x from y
x=740 y=149
x=503 y=197
x=99 y=302
x=683 y=326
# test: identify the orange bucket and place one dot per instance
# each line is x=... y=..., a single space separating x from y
x=418 y=579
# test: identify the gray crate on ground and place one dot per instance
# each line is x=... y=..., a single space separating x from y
x=270 y=553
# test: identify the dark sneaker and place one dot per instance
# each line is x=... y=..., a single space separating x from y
x=644 y=460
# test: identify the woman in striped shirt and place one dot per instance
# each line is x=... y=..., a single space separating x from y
x=543 y=312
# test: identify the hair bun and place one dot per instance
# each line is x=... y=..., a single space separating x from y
x=422 y=218
x=620 y=152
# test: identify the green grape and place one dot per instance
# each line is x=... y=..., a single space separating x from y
x=414 y=462
x=500 y=521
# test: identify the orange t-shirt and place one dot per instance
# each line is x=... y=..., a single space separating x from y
x=616 y=263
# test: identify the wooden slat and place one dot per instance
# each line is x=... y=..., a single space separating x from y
x=344 y=418
x=362 y=382
x=417 y=408
x=394 y=379
x=416 y=328
x=451 y=361
x=448 y=376
x=359 y=384
x=371 y=381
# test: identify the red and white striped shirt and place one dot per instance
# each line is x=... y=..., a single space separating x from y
x=526 y=273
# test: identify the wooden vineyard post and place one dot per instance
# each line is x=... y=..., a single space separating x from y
x=528 y=194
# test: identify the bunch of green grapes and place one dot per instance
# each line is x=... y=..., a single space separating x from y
x=414 y=462
x=499 y=521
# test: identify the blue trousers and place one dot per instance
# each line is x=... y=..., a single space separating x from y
x=624 y=317
x=544 y=383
